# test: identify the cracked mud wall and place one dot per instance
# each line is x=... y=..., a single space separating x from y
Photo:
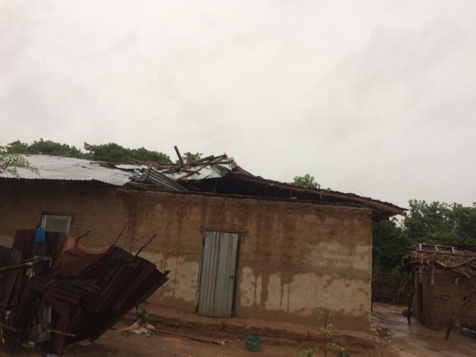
x=296 y=260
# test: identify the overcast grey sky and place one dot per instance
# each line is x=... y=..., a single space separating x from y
x=376 y=98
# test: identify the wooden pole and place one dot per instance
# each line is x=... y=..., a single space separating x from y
x=18 y=266
x=119 y=236
x=83 y=235
x=63 y=333
x=410 y=300
x=179 y=156
x=8 y=327
x=456 y=316
x=145 y=245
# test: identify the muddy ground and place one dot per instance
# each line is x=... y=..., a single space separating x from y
x=392 y=337
x=416 y=340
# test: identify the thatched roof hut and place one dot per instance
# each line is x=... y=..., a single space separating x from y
x=458 y=259
x=444 y=280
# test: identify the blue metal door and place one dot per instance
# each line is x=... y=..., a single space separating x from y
x=217 y=280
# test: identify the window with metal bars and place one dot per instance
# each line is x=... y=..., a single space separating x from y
x=56 y=223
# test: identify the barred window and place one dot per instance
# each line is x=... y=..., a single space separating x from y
x=56 y=223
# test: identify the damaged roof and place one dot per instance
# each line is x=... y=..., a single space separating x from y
x=459 y=259
x=211 y=174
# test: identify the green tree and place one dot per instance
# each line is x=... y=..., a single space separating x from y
x=390 y=244
x=143 y=154
x=11 y=162
x=43 y=147
x=188 y=157
x=48 y=147
x=111 y=152
x=306 y=181
x=433 y=222
x=463 y=222
x=17 y=147
x=107 y=152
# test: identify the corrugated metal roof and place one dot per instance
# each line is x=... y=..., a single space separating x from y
x=155 y=177
x=67 y=168
x=162 y=175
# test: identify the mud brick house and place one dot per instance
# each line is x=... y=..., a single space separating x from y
x=236 y=244
x=444 y=283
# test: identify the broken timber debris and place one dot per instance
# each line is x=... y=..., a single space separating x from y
x=74 y=294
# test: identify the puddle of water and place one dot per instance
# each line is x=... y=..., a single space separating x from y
x=417 y=340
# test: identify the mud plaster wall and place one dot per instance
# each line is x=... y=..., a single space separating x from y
x=438 y=298
x=295 y=260
x=92 y=207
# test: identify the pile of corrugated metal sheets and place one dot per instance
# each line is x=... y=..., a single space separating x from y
x=81 y=296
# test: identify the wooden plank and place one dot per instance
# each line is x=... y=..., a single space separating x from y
x=179 y=156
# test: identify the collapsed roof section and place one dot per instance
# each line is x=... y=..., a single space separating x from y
x=222 y=175
x=176 y=177
x=212 y=174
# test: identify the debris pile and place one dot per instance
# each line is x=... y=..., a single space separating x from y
x=71 y=294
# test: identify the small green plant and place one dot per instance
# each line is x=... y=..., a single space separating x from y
x=308 y=352
x=326 y=330
x=336 y=347
x=142 y=314
x=327 y=333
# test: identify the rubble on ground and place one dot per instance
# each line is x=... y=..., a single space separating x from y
x=58 y=292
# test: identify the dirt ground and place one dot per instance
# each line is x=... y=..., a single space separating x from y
x=393 y=337
x=115 y=343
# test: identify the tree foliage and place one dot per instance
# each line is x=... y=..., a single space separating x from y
x=43 y=147
x=188 y=157
x=11 y=162
x=142 y=154
x=307 y=181
x=441 y=223
x=106 y=152
x=390 y=244
x=433 y=223
x=113 y=152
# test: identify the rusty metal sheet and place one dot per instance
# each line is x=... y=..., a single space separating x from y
x=85 y=302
